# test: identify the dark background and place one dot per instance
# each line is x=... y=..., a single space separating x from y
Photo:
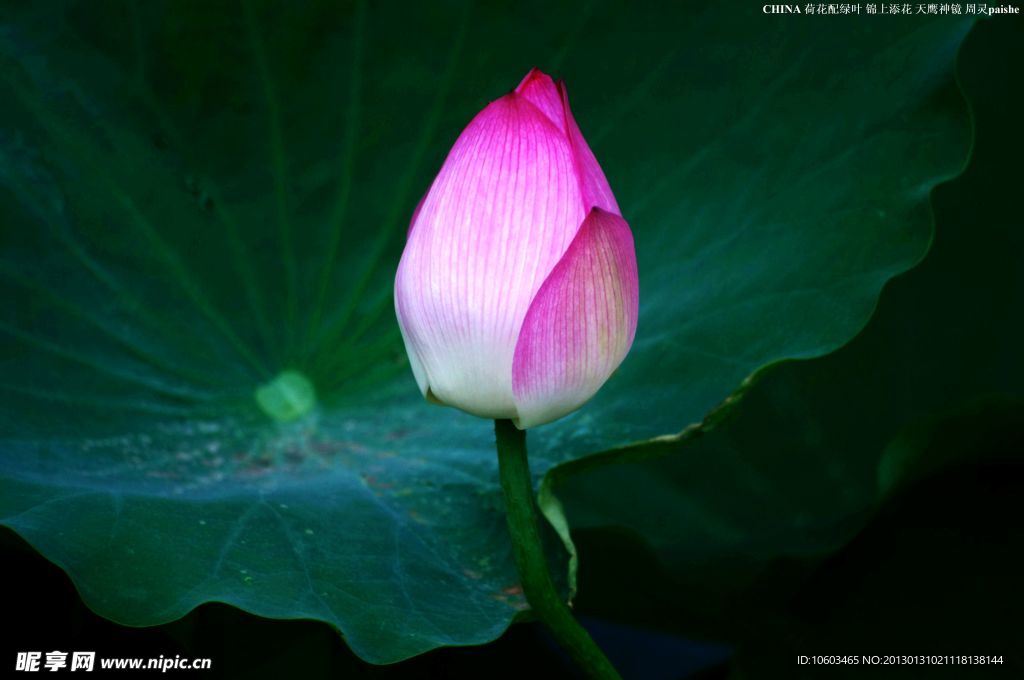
x=948 y=550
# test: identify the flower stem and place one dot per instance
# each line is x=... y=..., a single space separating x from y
x=538 y=587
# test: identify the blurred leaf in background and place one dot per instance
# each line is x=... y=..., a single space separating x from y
x=907 y=445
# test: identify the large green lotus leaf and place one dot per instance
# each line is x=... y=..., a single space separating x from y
x=803 y=458
x=205 y=202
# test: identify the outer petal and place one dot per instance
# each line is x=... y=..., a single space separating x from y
x=538 y=89
x=594 y=185
x=496 y=220
x=553 y=100
x=581 y=324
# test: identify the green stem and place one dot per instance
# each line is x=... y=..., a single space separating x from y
x=538 y=587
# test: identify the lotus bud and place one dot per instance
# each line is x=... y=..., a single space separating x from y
x=517 y=293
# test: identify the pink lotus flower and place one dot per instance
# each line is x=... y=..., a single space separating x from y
x=517 y=293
